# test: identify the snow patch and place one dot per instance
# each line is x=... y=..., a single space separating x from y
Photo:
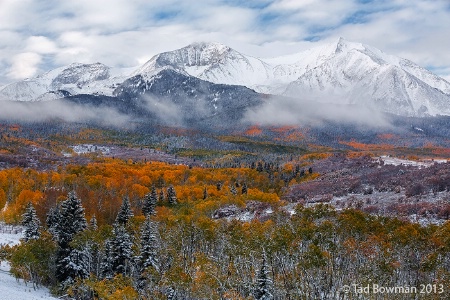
x=10 y=234
x=14 y=289
x=89 y=148
x=388 y=160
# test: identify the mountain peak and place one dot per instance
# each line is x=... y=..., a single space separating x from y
x=341 y=70
x=342 y=45
x=208 y=45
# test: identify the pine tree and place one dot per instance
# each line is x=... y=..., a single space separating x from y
x=150 y=201
x=264 y=283
x=75 y=265
x=93 y=223
x=161 y=196
x=171 y=294
x=244 y=189
x=53 y=217
x=106 y=265
x=149 y=245
x=233 y=190
x=125 y=212
x=171 y=195
x=205 y=193
x=121 y=250
x=71 y=220
x=31 y=223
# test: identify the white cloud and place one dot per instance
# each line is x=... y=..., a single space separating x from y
x=41 y=44
x=313 y=13
x=128 y=32
x=24 y=65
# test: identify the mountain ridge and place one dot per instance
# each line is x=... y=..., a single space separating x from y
x=340 y=72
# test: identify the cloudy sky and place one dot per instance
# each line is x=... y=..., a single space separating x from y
x=38 y=35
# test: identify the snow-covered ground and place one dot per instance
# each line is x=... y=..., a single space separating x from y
x=13 y=289
x=10 y=287
x=10 y=235
x=388 y=160
x=88 y=148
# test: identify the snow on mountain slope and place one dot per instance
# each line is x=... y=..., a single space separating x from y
x=342 y=72
x=69 y=80
x=220 y=64
x=360 y=74
x=212 y=62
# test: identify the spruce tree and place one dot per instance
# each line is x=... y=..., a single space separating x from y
x=121 y=250
x=244 y=189
x=233 y=190
x=150 y=201
x=149 y=245
x=70 y=222
x=264 y=283
x=125 y=212
x=171 y=293
x=171 y=195
x=93 y=223
x=52 y=221
x=74 y=264
x=205 y=193
x=106 y=265
x=31 y=223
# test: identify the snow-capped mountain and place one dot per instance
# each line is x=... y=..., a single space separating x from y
x=341 y=72
x=69 y=80
x=212 y=62
x=353 y=73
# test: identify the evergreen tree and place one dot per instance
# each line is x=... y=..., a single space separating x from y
x=161 y=196
x=93 y=223
x=125 y=212
x=244 y=189
x=259 y=167
x=121 y=250
x=233 y=190
x=106 y=265
x=264 y=283
x=149 y=245
x=71 y=220
x=31 y=223
x=205 y=193
x=171 y=294
x=75 y=264
x=297 y=170
x=171 y=195
x=150 y=201
x=53 y=217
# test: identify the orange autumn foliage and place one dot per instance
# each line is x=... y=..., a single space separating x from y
x=102 y=185
x=253 y=131
x=367 y=147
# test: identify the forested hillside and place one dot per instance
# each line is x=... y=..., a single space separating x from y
x=251 y=213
